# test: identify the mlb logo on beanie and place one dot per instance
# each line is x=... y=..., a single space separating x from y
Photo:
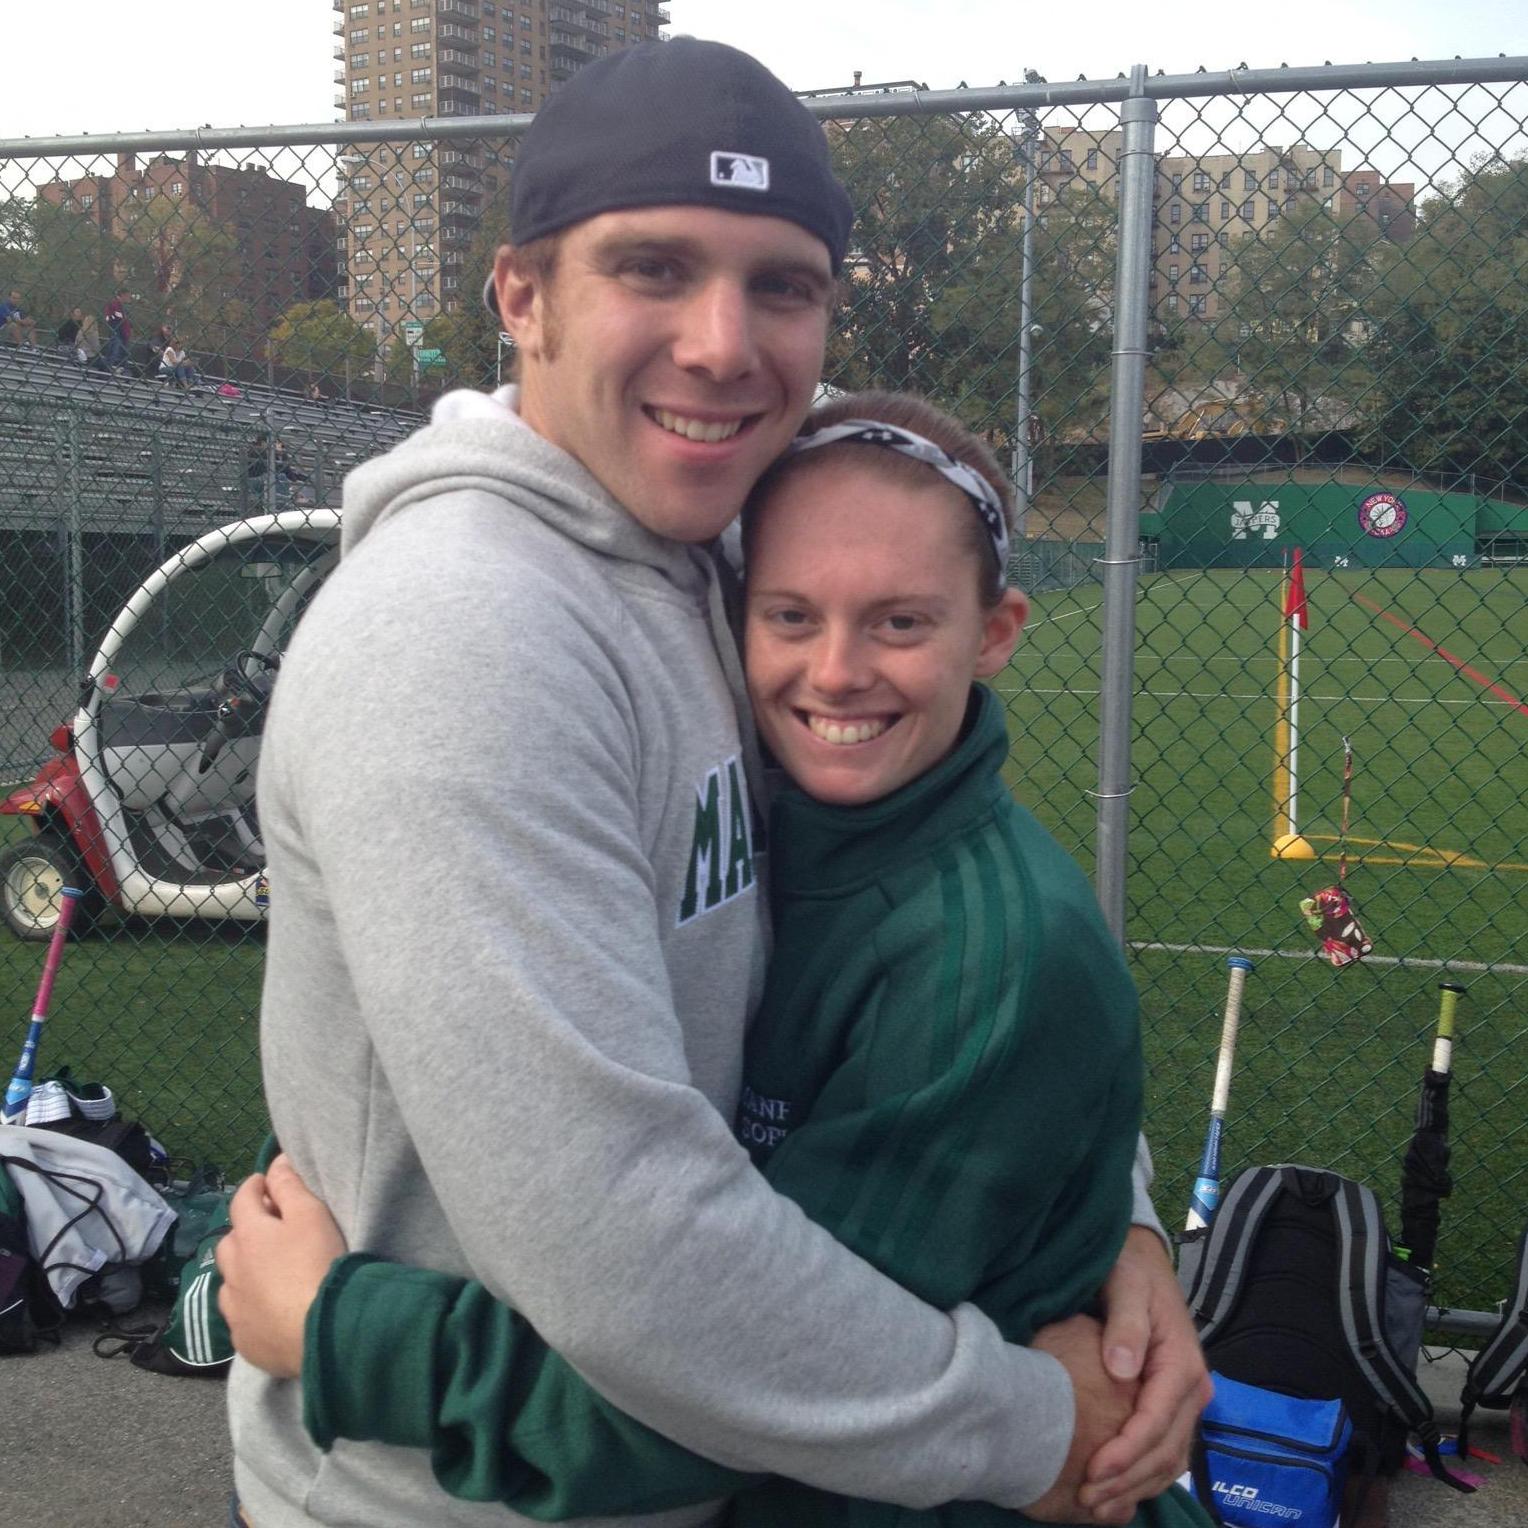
x=746 y=171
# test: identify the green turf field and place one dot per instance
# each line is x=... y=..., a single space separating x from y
x=167 y=1016
x=1329 y=1060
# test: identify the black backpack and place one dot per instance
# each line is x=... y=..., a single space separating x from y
x=130 y=1140
x=1498 y=1374
x=1294 y=1288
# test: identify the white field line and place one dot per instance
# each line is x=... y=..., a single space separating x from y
x=1067 y=615
x=1306 y=657
x=1403 y=961
x=1503 y=665
x=1500 y=667
x=1237 y=695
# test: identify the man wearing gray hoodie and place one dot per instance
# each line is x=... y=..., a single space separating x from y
x=516 y=926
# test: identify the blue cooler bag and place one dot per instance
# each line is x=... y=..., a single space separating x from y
x=1271 y=1458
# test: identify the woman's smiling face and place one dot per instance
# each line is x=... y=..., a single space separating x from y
x=865 y=626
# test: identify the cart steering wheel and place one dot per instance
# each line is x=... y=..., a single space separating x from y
x=245 y=696
x=251 y=673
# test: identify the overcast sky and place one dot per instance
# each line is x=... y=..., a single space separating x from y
x=100 y=66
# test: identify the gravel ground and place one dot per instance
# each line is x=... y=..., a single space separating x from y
x=86 y=1443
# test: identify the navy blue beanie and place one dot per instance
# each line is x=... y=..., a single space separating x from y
x=676 y=123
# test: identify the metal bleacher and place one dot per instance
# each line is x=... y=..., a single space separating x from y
x=103 y=475
x=113 y=452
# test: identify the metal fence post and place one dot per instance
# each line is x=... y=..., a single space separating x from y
x=1023 y=456
x=74 y=550
x=156 y=482
x=1121 y=560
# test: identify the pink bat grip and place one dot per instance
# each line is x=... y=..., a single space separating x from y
x=66 y=906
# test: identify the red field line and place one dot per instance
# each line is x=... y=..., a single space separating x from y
x=1464 y=668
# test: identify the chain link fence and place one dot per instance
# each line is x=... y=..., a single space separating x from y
x=1209 y=320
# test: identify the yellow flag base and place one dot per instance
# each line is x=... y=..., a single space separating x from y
x=1291 y=846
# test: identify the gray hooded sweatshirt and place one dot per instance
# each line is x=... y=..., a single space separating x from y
x=516 y=933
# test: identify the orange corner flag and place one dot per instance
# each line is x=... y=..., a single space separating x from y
x=1294 y=593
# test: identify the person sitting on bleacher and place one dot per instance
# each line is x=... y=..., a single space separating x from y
x=16 y=328
x=162 y=336
x=119 y=330
x=78 y=337
x=69 y=331
x=87 y=344
x=173 y=365
x=258 y=459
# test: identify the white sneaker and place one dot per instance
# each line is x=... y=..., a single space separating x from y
x=92 y=1099
x=48 y=1102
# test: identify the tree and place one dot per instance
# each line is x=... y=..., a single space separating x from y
x=1305 y=295
x=1471 y=236
x=58 y=257
x=466 y=339
x=1449 y=357
x=321 y=337
x=929 y=194
x=1448 y=391
x=191 y=272
x=932 y=280
x=180 y=266
x=1076 y=250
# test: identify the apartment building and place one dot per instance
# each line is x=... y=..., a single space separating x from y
x=283 y=249
x=410 y=211
x=1205 y=203
x=1077 y=158
x=1202 y=204
x=1389 y=205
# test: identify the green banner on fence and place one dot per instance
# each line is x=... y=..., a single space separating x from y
x=1253 y=522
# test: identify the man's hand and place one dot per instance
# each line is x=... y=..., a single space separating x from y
x=282 y=1244
x=1103 y=1408
x=1148 y=1336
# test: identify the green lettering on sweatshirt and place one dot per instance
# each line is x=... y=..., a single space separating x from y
x=740 y=844
x=718 y=872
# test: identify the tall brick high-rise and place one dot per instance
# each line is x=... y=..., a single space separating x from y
x=411 y=210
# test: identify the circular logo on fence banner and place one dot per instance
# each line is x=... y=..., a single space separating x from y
x=1382 y=514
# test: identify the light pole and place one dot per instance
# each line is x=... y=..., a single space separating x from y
x=1023 y=460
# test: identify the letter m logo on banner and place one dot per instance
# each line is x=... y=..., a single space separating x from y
x=1263 y=521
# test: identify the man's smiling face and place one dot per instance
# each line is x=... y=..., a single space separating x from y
x=674 y=352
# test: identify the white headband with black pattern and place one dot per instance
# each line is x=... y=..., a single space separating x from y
x=871 y=432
